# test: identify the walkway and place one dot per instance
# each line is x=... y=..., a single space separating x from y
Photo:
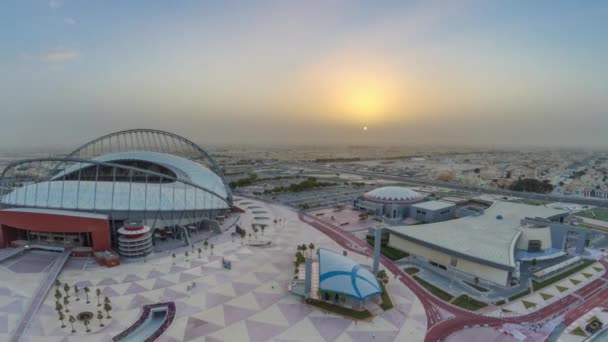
x=11 y=253
x=40 y=295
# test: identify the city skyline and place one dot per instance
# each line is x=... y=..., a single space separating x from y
x=466 y=73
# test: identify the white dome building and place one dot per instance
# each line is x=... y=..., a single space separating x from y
x=392 y=203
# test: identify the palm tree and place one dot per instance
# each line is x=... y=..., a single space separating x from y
x=61 y=319
x=57 y=294
x=58 y=307
x=57 y=283
x=304 y=248
x=76 y=290
x=86 y=292
x=206 y=244
x=186 y=254
x=173 y=256
x=66 y=288
x=199 y=252
x=71 y=319
x=107 y=308
x=263 y=227
x=86 y=323
x=98 y=292
x=211 y=248
x=66 y=301
x=311 y=247
x=100 y=318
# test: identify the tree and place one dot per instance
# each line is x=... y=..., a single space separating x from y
x=76 y=290
x=242 y=234
x=107 y=308
x=58 y=307
x=250 y=237
x=263 y=227
x=206 y=244
x=100 y=318
x=66 y=288
x=71 y=319
x=66 y=301
x=57 y=283
x=186 y=254
x=173 y=256
x=61 y=319
x=86 y=293
x=534 y=262
x=57 y=294
x=199 y=250
x=211 y=248
x=86 y=323
x=476 y=280
x=98 y=292
x=382 y=276
x=311 y=247
x=304 y=248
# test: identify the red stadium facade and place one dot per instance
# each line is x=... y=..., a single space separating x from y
x=15 y=225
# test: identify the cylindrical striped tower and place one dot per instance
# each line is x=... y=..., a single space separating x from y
x=135 y=240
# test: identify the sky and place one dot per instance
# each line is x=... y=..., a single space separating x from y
x=487 y=73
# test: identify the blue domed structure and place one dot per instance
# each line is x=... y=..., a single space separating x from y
x=340 y=274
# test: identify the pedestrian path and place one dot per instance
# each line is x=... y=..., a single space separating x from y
x=40 y=295
x=11 y=253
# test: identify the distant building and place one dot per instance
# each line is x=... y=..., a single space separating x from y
x=395 y=204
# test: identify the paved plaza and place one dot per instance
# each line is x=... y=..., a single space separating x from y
x=248 y=303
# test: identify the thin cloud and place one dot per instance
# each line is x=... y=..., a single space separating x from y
x=70 y=21
x=61 y=55
x=55 y=3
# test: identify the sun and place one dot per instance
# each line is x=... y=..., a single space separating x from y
x=365 y=128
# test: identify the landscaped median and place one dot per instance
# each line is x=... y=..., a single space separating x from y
x=340 y=310
x=462 y=301
x=539 y=285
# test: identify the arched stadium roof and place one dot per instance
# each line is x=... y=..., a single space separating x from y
x=340 y=274
x=183 y=168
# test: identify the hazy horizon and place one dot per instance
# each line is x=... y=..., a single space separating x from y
x=467 y=73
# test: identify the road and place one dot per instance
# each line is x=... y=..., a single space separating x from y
x=443 y=318
x=473 y=188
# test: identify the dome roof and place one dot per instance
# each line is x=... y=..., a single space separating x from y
x=393 y=194
x=340 y=274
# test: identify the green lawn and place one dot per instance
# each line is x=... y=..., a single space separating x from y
x=519 y=295
x=575 y=282
x=468 y=303
x=340 y=310
x=387 y=303
x=389 y=252
x=476 y=287
x=588 y=226
x=537 y=286
x=561 y=288
x=546 y=296
x=434 y=289
x=578 y=331
x=587 y=275
x=597 y=214
x=598 y=269
x=527 y=304
x=411 y=270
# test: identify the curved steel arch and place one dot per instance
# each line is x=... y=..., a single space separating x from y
x=214 y=166
x=88 y=162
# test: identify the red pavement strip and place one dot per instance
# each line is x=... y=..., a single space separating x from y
x=594 y=294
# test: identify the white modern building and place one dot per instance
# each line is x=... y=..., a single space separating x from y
x=486 y=245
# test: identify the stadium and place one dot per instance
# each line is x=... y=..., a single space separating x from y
x=124 y=191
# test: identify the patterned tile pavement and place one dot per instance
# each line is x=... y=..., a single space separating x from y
x=248 y=303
